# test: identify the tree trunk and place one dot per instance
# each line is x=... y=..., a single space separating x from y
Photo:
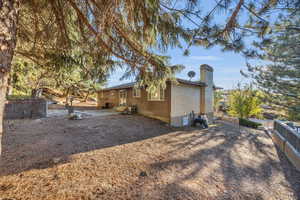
x=33 y=93
x=67 y=95
x=9 y=90
x=8 y=32
x=87 y=96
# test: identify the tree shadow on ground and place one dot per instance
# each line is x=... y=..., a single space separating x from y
x=222 y=162
x=290 y=172
x=43 y=143
x=240 y=164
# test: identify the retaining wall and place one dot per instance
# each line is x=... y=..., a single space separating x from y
x=25 y=108
x=288 y=141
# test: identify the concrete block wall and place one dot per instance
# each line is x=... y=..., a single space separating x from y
x=25 y=108
x=288 y=141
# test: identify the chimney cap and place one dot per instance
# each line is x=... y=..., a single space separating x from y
x=206 y=67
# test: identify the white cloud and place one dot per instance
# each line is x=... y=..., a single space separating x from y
x=209 y=58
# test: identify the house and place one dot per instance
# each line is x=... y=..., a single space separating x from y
x=173 y=104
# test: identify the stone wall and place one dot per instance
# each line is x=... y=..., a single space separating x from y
x=288 y=141
x=25 y=108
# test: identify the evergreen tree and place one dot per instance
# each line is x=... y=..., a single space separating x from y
x=280 y=79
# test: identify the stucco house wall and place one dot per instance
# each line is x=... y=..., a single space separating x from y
x=180 y=95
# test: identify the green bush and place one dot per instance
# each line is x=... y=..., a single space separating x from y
x=245 y=102
x=248 y=123
x=294 y=113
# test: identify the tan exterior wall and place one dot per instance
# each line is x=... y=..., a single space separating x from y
x=184 y=100
x=202 y=100
x=111 y=96
x=180 y=100
x=154 y=109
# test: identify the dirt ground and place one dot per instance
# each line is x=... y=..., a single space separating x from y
x=133 y=157
x=85 y=113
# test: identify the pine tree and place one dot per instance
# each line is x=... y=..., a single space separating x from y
x=281 y=78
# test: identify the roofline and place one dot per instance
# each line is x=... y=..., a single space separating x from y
x=121 y=86
x=131 y=84
x=195 y=83
x=217 y=88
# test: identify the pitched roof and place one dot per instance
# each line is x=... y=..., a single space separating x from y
x=130 y=85
x=122 y=86
x=197 y=83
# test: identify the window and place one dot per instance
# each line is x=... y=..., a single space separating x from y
x=158 y=95
x=136 y=92
x=122 y=97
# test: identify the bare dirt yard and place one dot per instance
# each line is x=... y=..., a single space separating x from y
x=133 y=157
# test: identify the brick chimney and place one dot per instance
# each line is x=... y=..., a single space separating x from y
x=207 y=93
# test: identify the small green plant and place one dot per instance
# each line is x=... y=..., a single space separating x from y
x=248 y=123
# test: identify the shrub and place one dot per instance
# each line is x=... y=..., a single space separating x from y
x=245 y=102
x=248 y=123
x=18 y=97
x=294 y=113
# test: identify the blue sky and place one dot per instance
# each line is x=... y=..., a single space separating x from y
x=227 y=66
